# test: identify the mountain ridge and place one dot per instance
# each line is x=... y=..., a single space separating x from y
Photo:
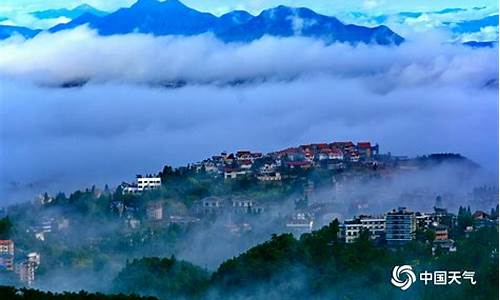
x=68 y=13
x=172 y=17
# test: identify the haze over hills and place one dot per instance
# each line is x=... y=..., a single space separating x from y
x=172 y=17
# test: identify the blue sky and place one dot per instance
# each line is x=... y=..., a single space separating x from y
x=255 y=6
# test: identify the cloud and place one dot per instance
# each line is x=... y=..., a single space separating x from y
x=30 y=21
x=82 y=54
x=488 y=33
x=419 y=98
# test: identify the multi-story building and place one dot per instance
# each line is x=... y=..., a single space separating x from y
x=300 y=223
x=7 y=247
x=7 y=262
x=212 y=205
x=441 y=233
x=400 y=226
x=154 y=211
x=25 y=268
x=148 y=183
x=352 y=228
x=143 y=183
x=26 y=271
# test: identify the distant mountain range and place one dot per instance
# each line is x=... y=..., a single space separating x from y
x=68 y=13
x=171 y=17
x=8 y=31
x=474 y=25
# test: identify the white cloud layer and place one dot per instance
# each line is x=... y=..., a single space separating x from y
x=418 y=98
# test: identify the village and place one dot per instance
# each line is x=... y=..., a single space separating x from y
x=143 y=204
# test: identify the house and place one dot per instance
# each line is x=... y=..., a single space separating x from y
x=366 y=150
x=446 y=245
x=241 y=205
x=7 y=247
x=210 y=167
x=441 y=233
x=148 y=182
x=351 y=228
x=183 y=220
x=353 y=156
x=230 y=173
x=212 y=205
x=245 y=164
x=424 y=221
x=345 y=147
x=299 y=164
x=128 y=188
x=154 y=211
x=143 y=183
x=400 y=226
x=6 y=262
x=7 y=255
x=269 y=176
x=34 y=258
x=26 y=271
x=336 y=154
x=244 y=155
x=300 y=223
x=480 y=215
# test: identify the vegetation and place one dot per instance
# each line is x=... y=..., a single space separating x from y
x=318 y=265
x=167 y=278
x=12 y=293
x=5 y=228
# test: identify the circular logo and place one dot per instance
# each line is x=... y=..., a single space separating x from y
x=403 y=277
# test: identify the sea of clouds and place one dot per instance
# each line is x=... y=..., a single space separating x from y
x=422 y=97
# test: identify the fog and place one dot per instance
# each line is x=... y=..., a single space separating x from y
x=422 y=97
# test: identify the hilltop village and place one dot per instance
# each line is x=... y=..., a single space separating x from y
x=294 y=190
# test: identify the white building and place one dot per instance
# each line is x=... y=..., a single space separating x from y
x=352 y=228
x=34 y=257
x=154 y=211
x=147 y=183
x=234 y=173
x=301 y=222
x=143 y=183
x=26 y=272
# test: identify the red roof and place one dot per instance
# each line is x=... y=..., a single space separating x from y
x=364 y=145
x=321 y=146
x=337 y=151
x=298 y=163
x=343 y=144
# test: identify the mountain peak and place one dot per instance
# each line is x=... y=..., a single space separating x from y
x=84 y=6
x=171 y=17
x=146 y=3
x=156 y=3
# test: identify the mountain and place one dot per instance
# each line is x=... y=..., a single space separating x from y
x=474 y=25
x=159 y=18
x=171 y=17
x=7 y=31
x=476 y=44
x=68 y=13
x=83 y=19
x=285 y=21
